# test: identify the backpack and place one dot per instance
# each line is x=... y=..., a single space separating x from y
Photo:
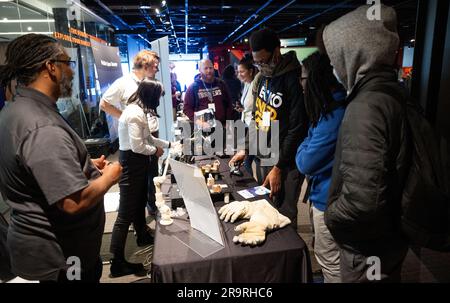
x=425 y=198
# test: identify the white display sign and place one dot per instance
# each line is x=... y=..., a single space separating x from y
x=197 y=199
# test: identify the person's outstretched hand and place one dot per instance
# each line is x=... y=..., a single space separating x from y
x=273 y=179
x=238 y=158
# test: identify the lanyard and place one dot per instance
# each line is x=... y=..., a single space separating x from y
x=244 y=93
x=267 y=92
x=209 y=90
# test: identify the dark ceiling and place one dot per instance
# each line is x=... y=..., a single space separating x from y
x=231 y=21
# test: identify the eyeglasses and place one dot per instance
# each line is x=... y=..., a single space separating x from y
x=70 y=63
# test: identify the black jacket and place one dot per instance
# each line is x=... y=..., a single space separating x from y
x=371 y=162
x=286 y=105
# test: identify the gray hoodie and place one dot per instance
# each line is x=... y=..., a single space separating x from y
x=357 y=45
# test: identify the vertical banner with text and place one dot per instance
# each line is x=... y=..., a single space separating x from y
x=107 y=64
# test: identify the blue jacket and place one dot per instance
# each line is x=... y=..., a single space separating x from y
x=315 y=156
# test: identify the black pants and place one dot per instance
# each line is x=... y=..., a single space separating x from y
x=291 y=185
x=133 y=196
x=361 y=268
x=5 y=264
x=88 y=275
x=152 y=172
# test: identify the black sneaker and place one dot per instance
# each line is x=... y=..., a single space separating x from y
x=145 y=240
x=120 y=268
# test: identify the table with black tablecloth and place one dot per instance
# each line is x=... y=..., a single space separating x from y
x=282 y=258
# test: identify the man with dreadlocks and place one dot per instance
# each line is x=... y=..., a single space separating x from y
x=325 y=106
x=54 y=188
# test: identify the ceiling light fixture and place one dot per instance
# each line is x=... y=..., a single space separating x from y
x=29 y=28
x=157 y=11
x=5 y=20
x=23 y=33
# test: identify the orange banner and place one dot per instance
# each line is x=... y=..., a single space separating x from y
x=76 y=40
x=68 y=38
x=85 y=35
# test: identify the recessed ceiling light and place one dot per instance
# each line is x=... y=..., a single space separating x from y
x=29 y=28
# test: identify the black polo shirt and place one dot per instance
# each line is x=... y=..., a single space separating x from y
x=42 y=161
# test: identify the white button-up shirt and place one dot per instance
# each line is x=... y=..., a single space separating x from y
x=134 y=132
x=121 y=90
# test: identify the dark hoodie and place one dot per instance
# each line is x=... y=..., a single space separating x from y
x=284 y=100
x=198 y=97
x=371 y=161
x=357 y=46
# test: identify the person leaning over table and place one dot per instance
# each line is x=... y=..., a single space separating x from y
x=136 y=146
x=278 y=97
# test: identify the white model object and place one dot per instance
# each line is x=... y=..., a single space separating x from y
x=164 y=210
x=160 y=203
x=166 y=215
x=211 y=181
x=263 y=217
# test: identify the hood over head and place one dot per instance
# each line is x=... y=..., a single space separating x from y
x=356 y=44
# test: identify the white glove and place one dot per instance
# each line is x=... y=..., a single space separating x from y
x=250 y=233
x=236 y=210
x=264 y=217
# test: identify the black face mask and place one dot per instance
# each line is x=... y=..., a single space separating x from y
x=267 y=69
